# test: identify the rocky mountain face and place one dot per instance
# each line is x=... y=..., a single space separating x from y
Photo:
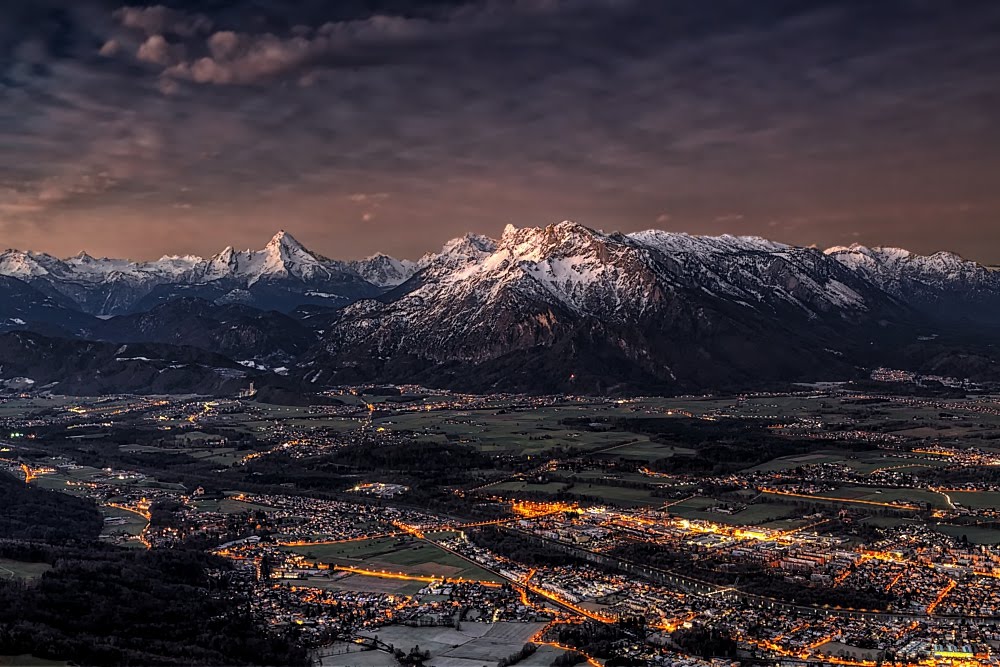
x=557 y=308
x=567 y=306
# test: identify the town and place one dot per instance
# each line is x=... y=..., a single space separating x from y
x=405 y=526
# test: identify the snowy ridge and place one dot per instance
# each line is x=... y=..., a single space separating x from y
x=556 y=308
x=479 y=298
x=565 y=265
x=283 y=256
x=111 y=286
x=903 y=273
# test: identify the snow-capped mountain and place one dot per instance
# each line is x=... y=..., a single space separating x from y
x=457 y=253
x=892 y=266
x=282 y=258
x=555 y=308
x=942 y=283
x=384 y=271
x=572 y=302
x=281 y=276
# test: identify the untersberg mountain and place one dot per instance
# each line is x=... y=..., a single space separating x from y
x=553 y=309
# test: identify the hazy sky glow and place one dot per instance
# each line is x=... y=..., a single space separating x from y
x=393 y=125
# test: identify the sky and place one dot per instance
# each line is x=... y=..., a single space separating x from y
x=394 y=125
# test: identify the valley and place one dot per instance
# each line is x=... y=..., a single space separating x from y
x=830 y=525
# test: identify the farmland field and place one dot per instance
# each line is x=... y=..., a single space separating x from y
x=523 y=432
x=976 y=535
x=413 y=557
x=617 y=495
x=976 y=499
x=697 y=508
x=20 y=570
x=29 y=661
x=890 y=495
x=474 y=645
x=359 y=583
x=134 y=524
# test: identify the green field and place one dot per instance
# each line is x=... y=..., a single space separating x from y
x=414 y=557
x=976 y=499
x=522 y=431
x=975 y=534
x=617 y=495
x=644 y=450
x=134 y=524
x=790 y=462
x=58 y=480
x=753 y=515
x=935 y=500
x=868 y=464
x=52 y=482
x=847 y=495
x=21 y=407
x=25 y=660
x=597 y=476
x=695 y=504
x=15 y=569
x=357 y=582
x=520 y=486
x=358 y=550
x=224 y=456
x=785 y=524
x=475 y=644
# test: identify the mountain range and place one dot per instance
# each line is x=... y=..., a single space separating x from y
x=541 y=309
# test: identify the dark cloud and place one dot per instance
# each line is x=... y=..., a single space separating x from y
x=158 y=19
x=391 y=125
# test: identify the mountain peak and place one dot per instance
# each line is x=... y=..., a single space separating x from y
x=565 y=238
x=283 y=249
x=284 y=256
x=460 y=251
x=382 y=270
x=469 y=245
x=571 y=225
x=552 y=231
x=283 y=239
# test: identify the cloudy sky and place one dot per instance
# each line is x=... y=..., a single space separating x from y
x=393 y=125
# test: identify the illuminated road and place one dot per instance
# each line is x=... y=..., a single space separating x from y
x=383 y=574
